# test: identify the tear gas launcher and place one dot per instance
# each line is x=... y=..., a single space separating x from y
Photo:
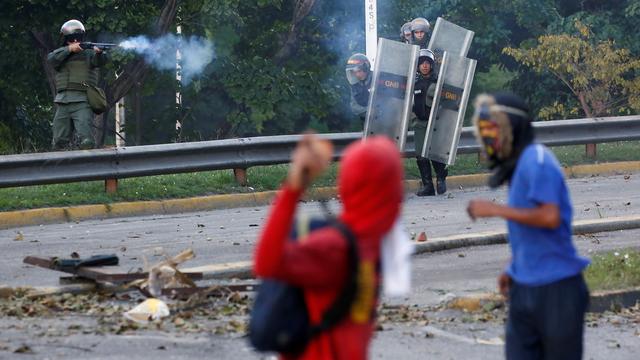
x=102 y=46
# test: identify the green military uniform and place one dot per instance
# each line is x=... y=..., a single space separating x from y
x=73 y=111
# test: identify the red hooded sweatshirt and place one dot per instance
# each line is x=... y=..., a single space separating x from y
x=370 y=187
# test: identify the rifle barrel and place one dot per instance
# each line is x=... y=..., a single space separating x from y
x=90 y=45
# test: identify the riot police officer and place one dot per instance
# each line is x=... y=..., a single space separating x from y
x=419 y=29
x=75 y=69
x=424 y=90
x=405 y=33
x=358 y=71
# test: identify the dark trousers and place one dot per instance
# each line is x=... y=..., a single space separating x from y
x=547 y=322
x=425 y=169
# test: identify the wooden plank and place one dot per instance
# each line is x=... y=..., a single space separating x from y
x=112 y=274
x=240 y=269
x=222 y=290
x=46 y=263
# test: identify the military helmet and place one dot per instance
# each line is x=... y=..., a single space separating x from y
x=405 y=29
x=71 y=31
x=72 y=27
x=420 y=24
x=357 y=62
x=426 y=54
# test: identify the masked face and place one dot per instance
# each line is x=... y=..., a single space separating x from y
x=503 y=129
x=493 y=131
x=490 y=134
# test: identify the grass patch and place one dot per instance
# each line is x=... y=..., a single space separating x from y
x=261 y=178
x=614 y=270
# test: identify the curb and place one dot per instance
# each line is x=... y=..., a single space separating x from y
x=580 y=227
x=602 y=301
x=19 y=218
x=242 y=270
x=599 y=301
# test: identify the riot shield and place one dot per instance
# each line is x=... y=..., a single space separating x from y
x=447 y=36
x=448 y=108
x=392 y=91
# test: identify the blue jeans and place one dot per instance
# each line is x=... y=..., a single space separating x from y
x=547 y=322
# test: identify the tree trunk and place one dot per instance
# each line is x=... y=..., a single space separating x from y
x=98 y=129
x=590 y=150
x=45 y=45
x=300 y=11
x=137 y=104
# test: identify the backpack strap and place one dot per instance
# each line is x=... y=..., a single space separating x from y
x=342 y=304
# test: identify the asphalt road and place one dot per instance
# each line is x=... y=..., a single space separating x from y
x=229 y=235
x=428 y=331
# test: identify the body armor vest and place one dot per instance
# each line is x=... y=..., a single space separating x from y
x=76 y=71
x=423 y=95
x=361 y=91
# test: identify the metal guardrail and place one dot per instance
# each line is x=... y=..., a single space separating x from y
x=117 y=163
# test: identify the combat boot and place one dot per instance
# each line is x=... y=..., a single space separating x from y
x=441 y=185
x=425 y=174
x=441 y=176
x=427 y=189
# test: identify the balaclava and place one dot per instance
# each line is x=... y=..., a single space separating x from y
x=503 y=127
x=370 y=187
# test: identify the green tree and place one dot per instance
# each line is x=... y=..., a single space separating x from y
x=601 y=76
x=279 y=65
x=274 y=73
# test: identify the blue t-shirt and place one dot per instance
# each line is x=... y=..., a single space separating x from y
x=541 y=256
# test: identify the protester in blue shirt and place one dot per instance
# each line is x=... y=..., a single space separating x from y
x=544 y=284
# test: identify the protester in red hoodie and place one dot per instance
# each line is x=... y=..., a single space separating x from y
x=370 y=187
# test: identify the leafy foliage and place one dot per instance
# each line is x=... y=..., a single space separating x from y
x=279 y=64
x=601 y=76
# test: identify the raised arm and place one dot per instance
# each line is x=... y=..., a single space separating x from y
x=309 y=160
x=545 y=216
x=58 y=56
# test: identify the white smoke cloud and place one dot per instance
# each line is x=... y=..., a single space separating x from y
x=196 y=53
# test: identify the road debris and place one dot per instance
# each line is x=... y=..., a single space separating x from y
x=148 y=310
x=482 y=302
x=6 y=292
x=165 y=274
x=23 y=349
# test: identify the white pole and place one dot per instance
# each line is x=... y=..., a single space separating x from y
x=371 y=28
x=120 y=122
x=178 y=79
